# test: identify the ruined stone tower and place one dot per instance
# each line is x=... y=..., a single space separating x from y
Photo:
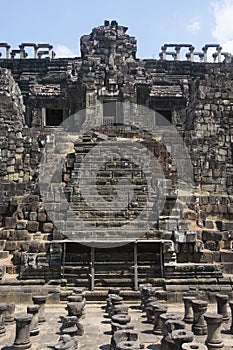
x=189 y=105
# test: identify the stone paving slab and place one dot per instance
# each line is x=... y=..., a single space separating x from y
x=97 y=329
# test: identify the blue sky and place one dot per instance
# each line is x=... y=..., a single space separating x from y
x=152 y=22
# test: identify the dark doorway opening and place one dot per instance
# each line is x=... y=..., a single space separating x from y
x=54 y=117
x=163 y=117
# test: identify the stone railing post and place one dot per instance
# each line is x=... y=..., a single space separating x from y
x=40 y=300
x=158 y=310
x=231 y=306
x=188 y=312
x=3 y=308
x=222 y=300
x=22 y=338
x=199 y=326
x=119 y=322
x=214 y=340
x=10 y=313
x=33 y=310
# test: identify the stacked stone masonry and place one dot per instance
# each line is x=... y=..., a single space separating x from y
x=37 y=95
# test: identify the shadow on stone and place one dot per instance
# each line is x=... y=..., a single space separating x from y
x=154 y=347
x=104 y=347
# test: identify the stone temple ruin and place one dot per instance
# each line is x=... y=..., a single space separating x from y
x=190 y=243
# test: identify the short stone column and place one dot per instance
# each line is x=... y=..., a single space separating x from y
x=69 y=325
x=66 y=342
x=171 y=325
x=214 y=339
x=122 y=335
x=3 y=307
x=114 y=290
x=199 y=326
x=119 y=322
x=120 y=309
x=10 y=313
x=33 y=310
x=222 y=301
x=79 y=300
x=169 y=316
x=115 y=300
x=158 y=310
x=188 y=312
x=75 y=309
x=150 y=311
x=231 y=306
x=128 y=345
x=175 y=340
x=40 y=300
x=193 y=346
x=22 y=338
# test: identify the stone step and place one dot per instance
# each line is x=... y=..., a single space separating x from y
x=2 y=244
x=4 y=254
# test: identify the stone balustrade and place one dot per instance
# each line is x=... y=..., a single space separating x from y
x=218 y=55
x=39 y=51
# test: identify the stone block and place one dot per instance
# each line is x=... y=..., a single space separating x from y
x=21 y=225
x=47 y=227
x=11 y=246
x=211 y=235
x=226 y=256
x=10 y=222
x=32 y=226
x=18 y=235
x=42 y=217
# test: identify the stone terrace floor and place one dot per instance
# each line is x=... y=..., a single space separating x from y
x=97 y=328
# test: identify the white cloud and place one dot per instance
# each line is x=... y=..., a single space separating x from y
x=223 y=29
x=63 y=51
x=194 y=26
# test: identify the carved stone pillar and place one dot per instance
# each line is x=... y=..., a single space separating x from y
x=188 y=312
x=214 y=339
x=22 y=338
x=158 y=310
x=10 y=313
x=231 y=306
x=222 y=300
x=3 y=308
x=199 y=326
x=40 y=300
x=33 y=310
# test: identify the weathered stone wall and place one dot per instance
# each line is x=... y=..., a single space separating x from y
x=197 y=96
